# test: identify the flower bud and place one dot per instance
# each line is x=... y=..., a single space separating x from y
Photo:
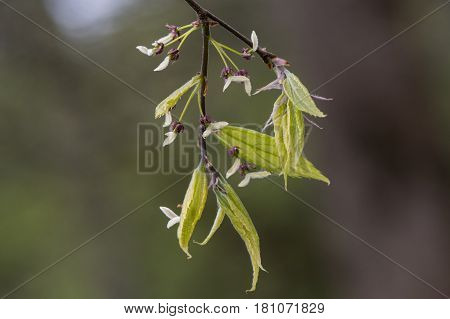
x=241 y=72
x=205 y=120
x=244 y=169
x=177 y=127
x=174 y=54
x=226 y=73
x=173 y=30
x=279 y=62
x=233 y=152
x=246 y=53
x=159 y=48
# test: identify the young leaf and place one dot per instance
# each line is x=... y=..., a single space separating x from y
x=299 y=95
x=217 y=222
x=170 y=102
x=254 y=147
x=240 y=219
x=193 y=205
x=289 y=129
x=261 y=150
x=306 y=169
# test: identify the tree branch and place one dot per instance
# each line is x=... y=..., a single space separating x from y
x=265 y=55
x=204 y=81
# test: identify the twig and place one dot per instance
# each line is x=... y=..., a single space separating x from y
x=266 y=56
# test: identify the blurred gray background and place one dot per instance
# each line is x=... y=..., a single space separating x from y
x=68 y=152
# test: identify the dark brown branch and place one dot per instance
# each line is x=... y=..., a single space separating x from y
x=202 y=12
x=204 y=81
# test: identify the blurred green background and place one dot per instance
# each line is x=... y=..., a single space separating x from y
x=68 y=152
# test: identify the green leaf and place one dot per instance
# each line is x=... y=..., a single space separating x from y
x=170 y=102
x=193 y=205
x=261 y=150
x=254 y=147
x=299 y=95
x=306 y=169
x=240 y=219
x=289 y=129
x=217 y=222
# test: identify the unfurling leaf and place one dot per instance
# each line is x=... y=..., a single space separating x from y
x=170 y=102
x=299 y=95
x=229 y=201
x=193 y=205
x=289 y=129
x=261 y=150
x=254 y=147
x=217 y=222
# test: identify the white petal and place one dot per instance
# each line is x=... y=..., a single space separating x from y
x=168 y=212
x=173 y=221
x=234 y=168
x=227 y=83
x=245 y=181
x=145 y=50
x=164 y=40
x=258 y=175
x=216 y=126
x=168 y=119
x=164 y=64
x=255 y=41
x=248 y=87
x=239 y=79
x=207 y=132
x=255 y=175
x=171 y=136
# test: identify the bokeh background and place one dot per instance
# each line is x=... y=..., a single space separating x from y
x=68 y=152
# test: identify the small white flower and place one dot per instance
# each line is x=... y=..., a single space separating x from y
x=214 y=128
x=239 y=79
x=174 y=218
x=146 y=50
x=255 y=41
x=164 y=64
x=168 y=119
x=164 y=40
x=171 y=136
x=234 y=168
x=250 y=176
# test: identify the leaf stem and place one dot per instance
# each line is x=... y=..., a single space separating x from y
x=188 y=102
x=219 y=51
x=229 y=49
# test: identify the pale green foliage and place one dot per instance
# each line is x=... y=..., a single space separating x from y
x=289 y=129
x=261 y=150
x=170 y=101
x=254 y=147
x=229 y=201
x=306 y=169
x=217 y=223
x=193 y=205
x=299 y=95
